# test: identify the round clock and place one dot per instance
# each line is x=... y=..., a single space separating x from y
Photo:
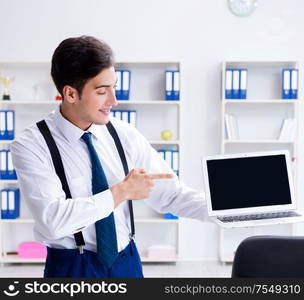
x=242 y=8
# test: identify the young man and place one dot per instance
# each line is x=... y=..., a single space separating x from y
x=85 y=220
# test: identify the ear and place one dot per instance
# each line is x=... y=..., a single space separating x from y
x=70 y=94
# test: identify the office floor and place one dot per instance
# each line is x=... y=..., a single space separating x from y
x=181 y=269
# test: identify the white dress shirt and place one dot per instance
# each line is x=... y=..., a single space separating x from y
x=57 y=218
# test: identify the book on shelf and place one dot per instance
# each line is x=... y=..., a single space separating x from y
x=232 y=128
x=288 y=130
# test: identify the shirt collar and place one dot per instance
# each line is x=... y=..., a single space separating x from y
x=71 y=132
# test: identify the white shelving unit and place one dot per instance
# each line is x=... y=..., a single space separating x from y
x=31 y=93
x=259 y=118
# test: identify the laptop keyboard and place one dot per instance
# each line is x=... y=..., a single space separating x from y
x=284 y=214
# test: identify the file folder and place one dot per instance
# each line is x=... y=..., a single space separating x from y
x=10 y=124
x=169 y=85
x=294 y=84
x=168 y=157
x=161 y=154
x=235 y=84
x=2 y=125
x=286 y=75
x=117 y=114
x=243 y=83
x=132 y=117
x=125 y=116
x=3 y=164
x=228 y=84
x=125 y=85
x=7 y=169
x=4 y=204
x=176 y=83
x=175 y=161
x=10 y=201
x=122 y=90
x=118 y=88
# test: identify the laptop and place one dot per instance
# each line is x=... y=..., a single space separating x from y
x=250 y=189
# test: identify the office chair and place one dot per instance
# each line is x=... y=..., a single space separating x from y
x=269 y=256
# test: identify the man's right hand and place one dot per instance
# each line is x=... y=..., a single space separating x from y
x=137 y=185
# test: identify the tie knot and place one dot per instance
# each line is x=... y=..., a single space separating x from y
x=87 y=137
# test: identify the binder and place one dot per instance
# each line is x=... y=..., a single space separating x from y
x=4 y=204
x=286 y=84
x=161 y=154
x=235 y=84
x=10 y=171
x=112 y=114
x=169 y=85
x=175 y=161
x=122 y=90
x=132 y=117
x=243 y=83
x=117 y=114
x=10 y=199
x=118 y=89
x=125 y=116
x=2 y=125
x=176 y=84
x=125 y=85
x=294 y=84
x=3 y=164
x=228 y=84
x=168 y=157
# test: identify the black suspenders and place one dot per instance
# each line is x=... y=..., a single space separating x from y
x=57 y=161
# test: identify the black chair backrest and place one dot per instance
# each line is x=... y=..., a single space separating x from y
x=269 y=256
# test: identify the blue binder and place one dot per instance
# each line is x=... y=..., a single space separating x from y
x=172 y=83
x=235 y=84
x=294 y=84
x=228 y=84
x=7 y=124
x=243 y=83
x=7 y=171
x=10 y=203
x=122 y=91
x=286 y=84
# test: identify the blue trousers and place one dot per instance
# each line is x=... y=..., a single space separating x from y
x=69 y=263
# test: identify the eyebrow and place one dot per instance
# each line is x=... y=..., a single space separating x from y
x=104 y=85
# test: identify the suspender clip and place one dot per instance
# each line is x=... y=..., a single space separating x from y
x=80 y=249
x=131 y=236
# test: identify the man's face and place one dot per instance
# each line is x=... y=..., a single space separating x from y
x=97 y=98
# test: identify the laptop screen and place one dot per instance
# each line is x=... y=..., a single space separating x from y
x=248 y=182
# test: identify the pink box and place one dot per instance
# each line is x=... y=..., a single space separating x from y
x=32 y=250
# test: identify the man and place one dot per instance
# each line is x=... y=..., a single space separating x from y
x=91 y=208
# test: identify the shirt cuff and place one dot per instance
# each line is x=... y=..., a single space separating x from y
x=104 y=202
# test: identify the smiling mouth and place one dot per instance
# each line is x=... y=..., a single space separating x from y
x=105 y=111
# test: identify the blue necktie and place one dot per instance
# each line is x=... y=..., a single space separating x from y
x=105 y=228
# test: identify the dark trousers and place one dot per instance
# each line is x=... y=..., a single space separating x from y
x=70 y=263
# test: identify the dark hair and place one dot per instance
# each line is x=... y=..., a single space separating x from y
x=78 y=59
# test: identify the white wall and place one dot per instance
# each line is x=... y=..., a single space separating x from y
x=199 y=33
